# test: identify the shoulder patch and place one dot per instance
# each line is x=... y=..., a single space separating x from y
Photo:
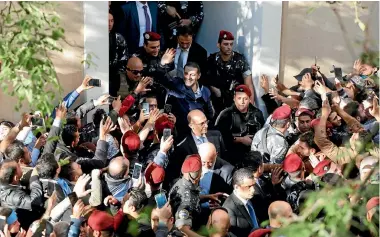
x=183 y=214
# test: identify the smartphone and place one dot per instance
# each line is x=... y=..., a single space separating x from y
x=167 y=108
x=95 y=82
x=167 y=133
x=137 y=171
x=111 y=99
x=2 y=222
x=160 y=199
x=37 y=121
x=145 y=107
x=338 y=73
x=329 y=97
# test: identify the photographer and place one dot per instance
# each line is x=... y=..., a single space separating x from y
x=239 y=123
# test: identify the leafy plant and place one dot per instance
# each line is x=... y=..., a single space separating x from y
x=29 y=32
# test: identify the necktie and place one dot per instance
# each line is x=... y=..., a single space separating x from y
x=201 y=140
x=252 y=215
x=180 y=71
x=147 y=19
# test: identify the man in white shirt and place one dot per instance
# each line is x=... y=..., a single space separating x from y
x=145 y=19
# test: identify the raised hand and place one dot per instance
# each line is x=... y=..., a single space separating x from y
x=307 y=82
x=116 y=104
x=357 y=66
x=168 y=57
x=154 y=115
x=80 y=186
x=78 y=209
x=84 y=86
x=102 y=100
x=375 y=110
x=61 y=111
x=326 y=109
x=277 y=176
x=264 y=83
x=26 y=120
x=143 y=83
x=274 y=95
x=124 y=126
x=105 y=128
x=165 y=145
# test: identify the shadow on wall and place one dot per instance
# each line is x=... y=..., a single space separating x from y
x=319 y=34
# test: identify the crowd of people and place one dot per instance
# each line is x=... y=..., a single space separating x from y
x=185 y=152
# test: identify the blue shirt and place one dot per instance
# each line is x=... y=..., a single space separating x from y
x=205 y=185
x=199 y=139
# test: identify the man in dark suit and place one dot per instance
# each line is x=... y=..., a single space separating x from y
x=188 y=51
x=198 y=124
x=139 y=17
x=242 y=215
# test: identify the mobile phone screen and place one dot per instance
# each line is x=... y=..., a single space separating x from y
x=167 y=108
x=338 y=73
x=136 y=171
x=166 y=134
x=146 y=108
x=160 y=199
x=94 y=82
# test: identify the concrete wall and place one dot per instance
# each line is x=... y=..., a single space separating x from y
x=68 y=63
x=319 y=34
x=257 y=30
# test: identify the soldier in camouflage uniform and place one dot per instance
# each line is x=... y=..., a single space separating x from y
x=155 y=66
x=270 y=140
x=226 y=70
x=185 y=194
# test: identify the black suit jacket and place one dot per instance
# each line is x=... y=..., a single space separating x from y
x=188 y=147
x=198 y=54
x=241 y=223
x=222 y=177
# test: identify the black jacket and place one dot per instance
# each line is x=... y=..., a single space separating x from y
x=222 y=177
x=241 y=223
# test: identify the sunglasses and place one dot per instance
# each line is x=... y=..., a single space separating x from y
x=135 y=72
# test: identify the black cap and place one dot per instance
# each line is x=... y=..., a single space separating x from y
x=302 y=73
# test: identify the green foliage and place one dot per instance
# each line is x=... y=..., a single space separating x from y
x=29 y=31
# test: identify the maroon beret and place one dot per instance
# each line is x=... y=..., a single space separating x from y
x=322 y=167
x=100 y=221
x=151 y=36
x=162 y=123
x=373 y=202
x=130 y=142
x=225 y=35
x=304 y=111
x=260 y=233
x=192 y=164
x=282 y=112
x=292 y=163
x=154 y=174
x=243 y=88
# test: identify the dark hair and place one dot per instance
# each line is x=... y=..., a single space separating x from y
x=67 y=170
x=71 y=118
x=184 y=30
x=47 y=166
x=5 y=211
x=121 y=174
x=308 y=138
x=15 y=151
x=309 y=104
x=149 y=95
x=352 y=109
x=193 y=65
x=137 y=198
x=7 y=124
x=252 y=160
x=68 y=134
x=8 y=171
x=98 y=116
x=240 y=175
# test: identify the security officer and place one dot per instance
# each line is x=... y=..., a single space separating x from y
x=226 y=70
x=155 y=63
x=185 y=194
x=239 y=123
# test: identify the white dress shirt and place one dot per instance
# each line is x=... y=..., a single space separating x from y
x=140 y=11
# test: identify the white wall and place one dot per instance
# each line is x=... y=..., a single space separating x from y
x=96 y=42
x=257 y=30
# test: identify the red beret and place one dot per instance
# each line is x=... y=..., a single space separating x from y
x=292 y=163
x=322 y=167
x=282 y=112
x=225 y=35
x=192 y=164
x=260 y=233
x=162 y=123
x=373 y=202
x=100 y=221
x=152 y=36
x=130 y=142
x=304 y=111
x=315 y=122
x=154 y=174
x=243 y=88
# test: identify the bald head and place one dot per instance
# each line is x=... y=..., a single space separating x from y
x=207 y=152
x=220 y=221
x=278 y=211
x=134 y=68
x=118 y=167
x=197 y=122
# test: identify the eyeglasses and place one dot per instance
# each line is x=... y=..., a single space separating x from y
x=135 y=72
x=203 y=123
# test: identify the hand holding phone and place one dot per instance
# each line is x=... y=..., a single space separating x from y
x=167 y=108
x=166 y=134
x=161 y=199
x=95 y=82
x=145 y=107
x=136 y=171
